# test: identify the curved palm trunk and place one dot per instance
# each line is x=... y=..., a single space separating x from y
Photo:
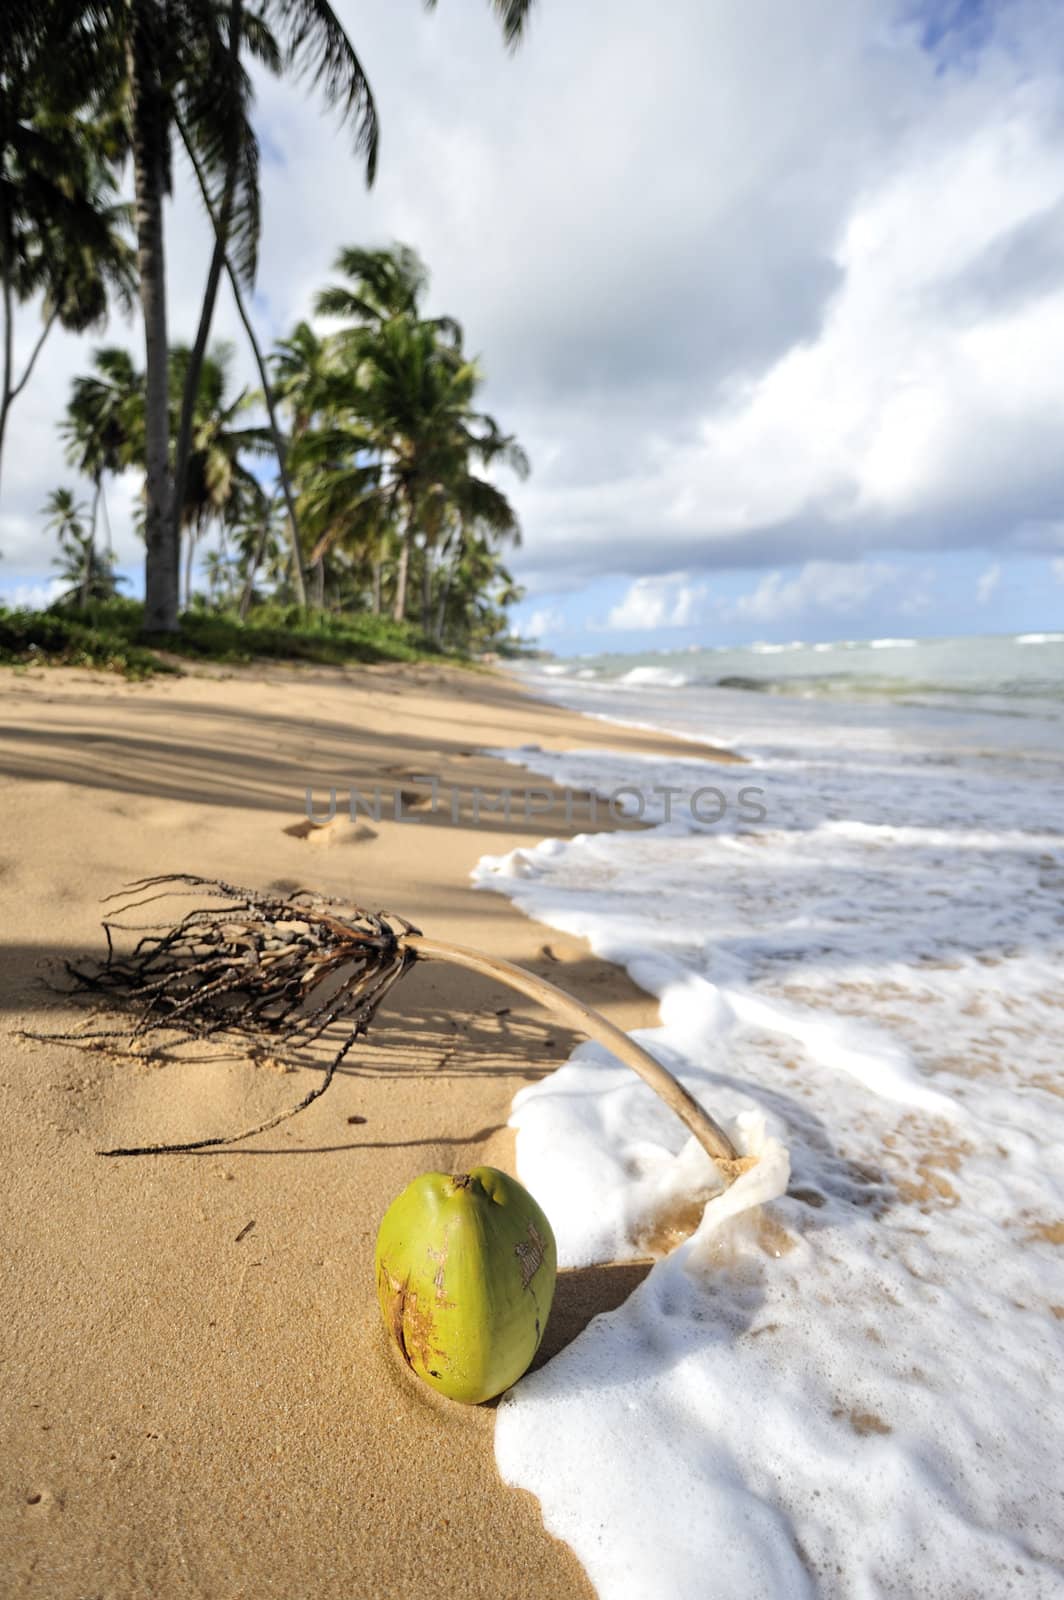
x=9 y=336
x=426 y=592
x=90 y=550
x=190 y=546
x=441 y=609
x=210 y=295
x=9 y=389
x=299 y=571
x=401 y=574
x=256 y=561
x=107 y=521
x=162 y=565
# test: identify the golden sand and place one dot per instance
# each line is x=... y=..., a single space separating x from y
x=198 y=1397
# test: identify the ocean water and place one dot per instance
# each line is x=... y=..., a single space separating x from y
x=846 y=1380
x=1004 y=674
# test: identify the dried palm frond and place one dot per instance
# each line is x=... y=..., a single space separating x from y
x=281 y=969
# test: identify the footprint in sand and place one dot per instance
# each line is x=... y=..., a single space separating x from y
x=324 y=835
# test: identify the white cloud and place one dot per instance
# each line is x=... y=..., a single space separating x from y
x=987 y=583
x=831 y=588
x=541 y=623
x=1058 y=569
x=32 y=596
x=744 y=306
x=667 y=602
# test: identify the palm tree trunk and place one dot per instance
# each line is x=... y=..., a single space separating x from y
x=441 y=609
x=299 y=572
x=249 y=581
x=210 y=295
x=107 y=521
x=9 y=389
x=90 y=550
x=162 y=566
x=317 y=576
x=9 y=335
x=402 y=571
x=189 y=549
x=426 y=591
x=377 y=566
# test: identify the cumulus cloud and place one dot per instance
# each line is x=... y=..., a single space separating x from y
x=541 y=623
x=987 y=583
x=33 y=596
x=745 y=306
x=671 y=601
x=832 y=589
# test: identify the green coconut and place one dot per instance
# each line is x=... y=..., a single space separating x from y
x=465 y=1277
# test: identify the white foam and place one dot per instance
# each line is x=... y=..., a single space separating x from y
x=844 y=1382
x=653 y=677
x=1040 y=638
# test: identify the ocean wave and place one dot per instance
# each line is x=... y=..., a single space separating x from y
x=892 y=644
x=824 y=988
x=654 y=678
x=1040 y=638
x=1025 y=697
x=736 y=680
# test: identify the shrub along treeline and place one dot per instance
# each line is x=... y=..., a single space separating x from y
x=374 y=491
x=108 y=634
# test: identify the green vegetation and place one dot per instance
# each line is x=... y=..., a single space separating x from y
x=381 y=444
x=63 y=231
x=107 y=634
x=30 y=638
x=371 y=494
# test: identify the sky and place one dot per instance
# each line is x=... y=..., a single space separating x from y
x=773 y=295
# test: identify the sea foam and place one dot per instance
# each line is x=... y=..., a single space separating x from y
x=844 y=1381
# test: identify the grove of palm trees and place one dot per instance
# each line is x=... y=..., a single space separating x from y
x=356 y=477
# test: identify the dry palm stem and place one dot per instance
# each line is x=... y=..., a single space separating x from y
x=281 y=969
x=585 y=1019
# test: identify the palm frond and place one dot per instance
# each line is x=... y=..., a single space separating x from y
x=317 y=47
x=513 y=14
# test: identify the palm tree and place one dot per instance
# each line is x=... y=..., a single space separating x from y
x=470 y=554
x=381 y=284
x=183 y=69
x=217 y=476
x=105 y=430
x=255 y=523
x=62 y=228
x=398 y=450
x=299 y=365
x=234 y=211
x=475 y=594
x=91 y=576
x=104 y=424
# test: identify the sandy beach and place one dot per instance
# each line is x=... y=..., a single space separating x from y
x=198 y=1396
